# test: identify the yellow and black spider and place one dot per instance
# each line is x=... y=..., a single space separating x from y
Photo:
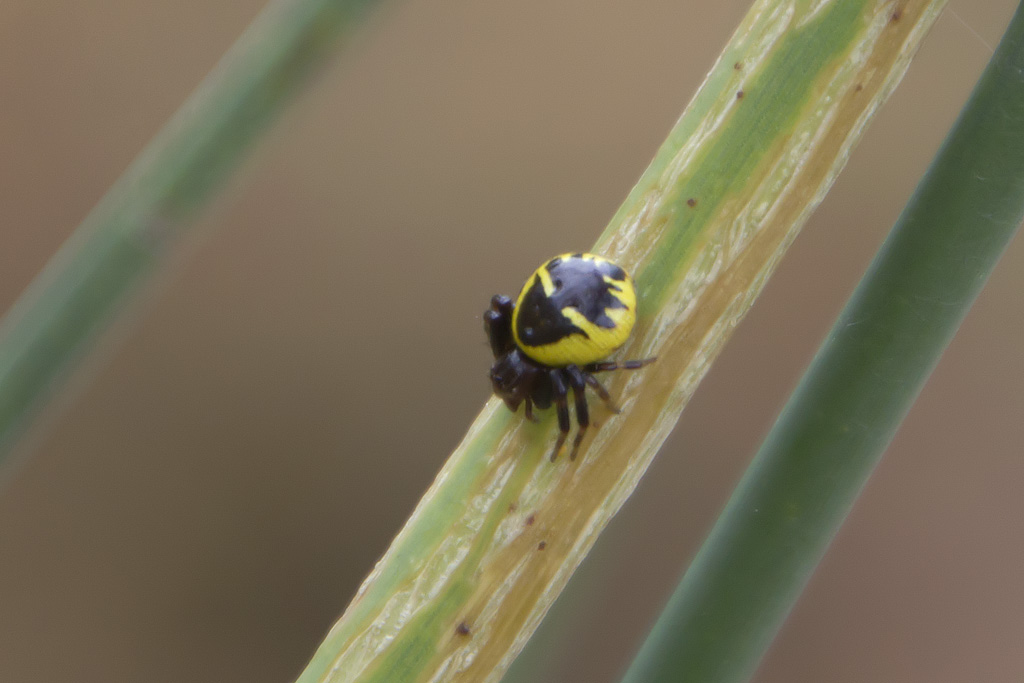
x=572 y=312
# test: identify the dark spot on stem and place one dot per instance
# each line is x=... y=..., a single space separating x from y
x=739 y=95
x=691 y=202
x=897 y=14
x=462 y=629
x=738 y=65
x=530 y=520
x=542 y=545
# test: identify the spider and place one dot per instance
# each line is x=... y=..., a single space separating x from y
x=572 y=312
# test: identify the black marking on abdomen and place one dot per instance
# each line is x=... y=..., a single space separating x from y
x=579 y=284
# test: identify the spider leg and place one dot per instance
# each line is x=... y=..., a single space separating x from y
x=579 y=388
x=624 y=365
x=562 y=407
x=601 y=391
x=528 y=407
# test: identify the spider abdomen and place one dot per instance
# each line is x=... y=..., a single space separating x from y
x=575 y=309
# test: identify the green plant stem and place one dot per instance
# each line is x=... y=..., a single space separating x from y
x=121 y=241
x=496 y=537
x=833 y=430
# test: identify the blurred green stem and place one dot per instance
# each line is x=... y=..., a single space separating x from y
x=78 y=293
x=830 y=435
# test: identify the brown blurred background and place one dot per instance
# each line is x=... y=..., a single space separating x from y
x=208 y=501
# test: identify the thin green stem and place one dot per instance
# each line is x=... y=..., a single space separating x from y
x=122 y=239
x=832 y=432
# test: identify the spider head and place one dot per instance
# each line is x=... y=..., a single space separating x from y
x=511 y=378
